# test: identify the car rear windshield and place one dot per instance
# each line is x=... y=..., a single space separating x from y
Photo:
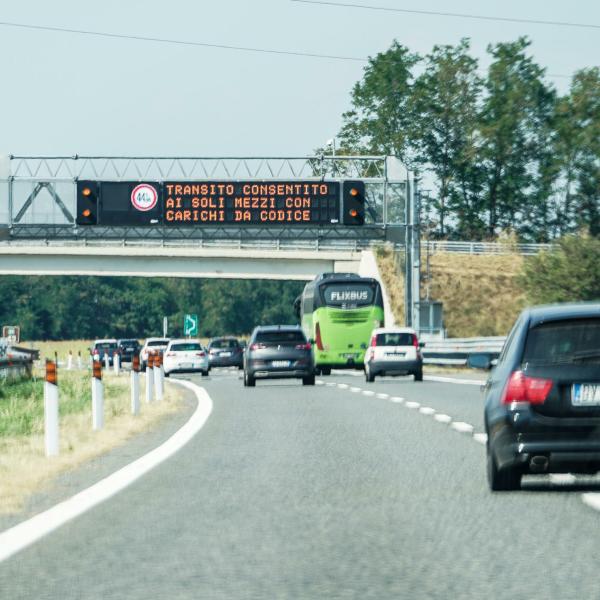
x=129 y=342
x=575 y=341
x=106 y=345
x=224 y=344
x=348 y=294
x=394 y=339
x=187 y=347
x=158 y=343
x=280 y=337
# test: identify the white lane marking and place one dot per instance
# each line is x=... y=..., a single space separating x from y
x=410 y=404
x=427 y=410
x=562 y=478
x=481 y=438
x=442 y=418
x=331 y=384
x=355 y=389
x=383 y=396
x=28 y=532
x=397 y=399
x=320 y=382
x=592 y=499
x=368 y=392
x=454 y=380
x=343 y=386
x=341 y=372
x=462 y=427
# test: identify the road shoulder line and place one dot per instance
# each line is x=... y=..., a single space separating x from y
x=24 y=534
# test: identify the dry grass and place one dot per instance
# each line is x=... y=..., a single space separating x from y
x=480 y=293
x=24 y=468
x=391 y=271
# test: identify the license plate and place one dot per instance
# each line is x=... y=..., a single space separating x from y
x=281 y=363
x=186 y=365
x=395 y=353
x=585 y=394
x=128 y=349
x=225 y=354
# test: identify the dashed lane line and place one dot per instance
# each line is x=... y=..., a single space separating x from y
x=397 y=399
x=355 y=390
x=427 y=410
x=462 y=427
x=368 y=392
x=442 y=418
x=383 y=396
x=480 y=438
x=411 y=404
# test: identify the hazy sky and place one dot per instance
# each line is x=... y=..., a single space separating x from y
x=66 y=93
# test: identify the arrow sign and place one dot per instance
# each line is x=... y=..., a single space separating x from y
x=190 y=325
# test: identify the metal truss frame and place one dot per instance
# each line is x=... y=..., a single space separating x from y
x=44 y=172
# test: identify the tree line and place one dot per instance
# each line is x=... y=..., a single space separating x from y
x=504 y=149
x=75 y=307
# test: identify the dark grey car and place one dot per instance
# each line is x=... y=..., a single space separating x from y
x=542 y=411
x=276 y=352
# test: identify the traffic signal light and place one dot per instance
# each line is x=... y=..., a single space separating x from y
x=353 y=203
x=88 y=198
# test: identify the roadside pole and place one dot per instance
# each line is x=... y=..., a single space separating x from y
x=51 y=409
x=117 y=362
x=97 y=397
x=135 y=385
x=106 y=361
x=70 y=360
x=79 y=363
x=149 y=377
x=158 y=376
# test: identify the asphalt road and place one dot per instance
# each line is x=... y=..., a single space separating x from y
x=324 y=492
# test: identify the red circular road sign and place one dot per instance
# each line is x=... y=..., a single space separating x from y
x=144 y=197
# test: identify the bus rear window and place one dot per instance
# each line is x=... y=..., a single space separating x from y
x=348 y=294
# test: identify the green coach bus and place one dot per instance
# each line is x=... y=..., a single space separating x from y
x=338 y=312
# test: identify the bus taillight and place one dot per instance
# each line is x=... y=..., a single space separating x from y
x=318 y=339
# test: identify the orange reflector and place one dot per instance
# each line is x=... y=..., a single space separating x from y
x=87 y=212
x=51 y=375
x=158 y=361
x=86 y=192
x=354 y=213
x=150 y=360
x=135 y=363
x=97 y=370
x=353 y=192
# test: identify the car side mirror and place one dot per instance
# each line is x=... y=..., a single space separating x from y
x=479 y=360
x=421 y=344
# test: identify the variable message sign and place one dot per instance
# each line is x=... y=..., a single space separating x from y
x=257 y=203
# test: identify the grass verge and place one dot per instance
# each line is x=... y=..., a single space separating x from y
x=24 y=468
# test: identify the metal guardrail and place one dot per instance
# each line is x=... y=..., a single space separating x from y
x=483 y=247
x=456 y=351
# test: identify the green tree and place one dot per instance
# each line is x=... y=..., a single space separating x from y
x=514 y=129
x=380 y=118
x=568 y=273
x=444 y=103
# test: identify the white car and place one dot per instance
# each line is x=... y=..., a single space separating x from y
x=394 y=351
x=185 y=356
x=152 y=344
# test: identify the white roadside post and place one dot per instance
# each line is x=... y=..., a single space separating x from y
x=117 y=362
x=70 y=361
x=135 y=385
x=158 y=376
x=106 y=361
x=97 y=397
x=51 y=410
x=149 y=377
x=79 y=362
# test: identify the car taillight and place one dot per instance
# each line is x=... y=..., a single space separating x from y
x=200 y=354
x=257 y=346
x=318 y=339
x=415 y=342
x=374 y=341
x=521 y=388
x=306 y=346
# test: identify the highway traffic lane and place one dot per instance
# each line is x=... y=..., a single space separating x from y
x=300 y=492
x=462 y=402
